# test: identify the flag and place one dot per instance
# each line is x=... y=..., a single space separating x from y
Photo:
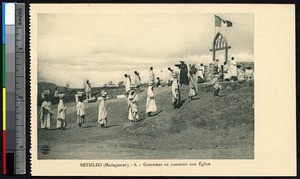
x=219 y=22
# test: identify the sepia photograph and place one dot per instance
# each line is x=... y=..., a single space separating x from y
x=146 y=86
x=162 y=90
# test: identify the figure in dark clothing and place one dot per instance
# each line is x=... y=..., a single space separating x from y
x=183 y=78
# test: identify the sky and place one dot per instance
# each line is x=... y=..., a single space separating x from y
x=103 y=47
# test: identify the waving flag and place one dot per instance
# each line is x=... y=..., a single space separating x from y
x=219 y=22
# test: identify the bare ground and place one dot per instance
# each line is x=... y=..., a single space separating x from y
x=206 y=128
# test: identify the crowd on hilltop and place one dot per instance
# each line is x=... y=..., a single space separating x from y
x=189 y=75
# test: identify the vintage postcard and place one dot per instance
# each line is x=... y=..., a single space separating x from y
x=163 y=89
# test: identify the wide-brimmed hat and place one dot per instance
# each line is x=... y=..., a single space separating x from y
x=181 y=61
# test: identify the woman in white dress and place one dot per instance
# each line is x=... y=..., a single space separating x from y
x=150 y=104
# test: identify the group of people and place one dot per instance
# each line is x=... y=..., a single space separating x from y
x=128 y=83
x=46 y=113
x=132 y=95
x=187 y=76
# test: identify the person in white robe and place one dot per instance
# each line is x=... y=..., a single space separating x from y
x=127 y=84
x=45 y=113
x=133 y=100
x=102 y=112
x=150 y=103
x=80 y=112
x=216 y=82
x=170 y=77
x=201 y=72
x=241 y=74
x=226 y=71
x=55 y=95
x=151 y=76
x=175 y=90
x=137 y=80
x=233 y=69
x=249 y=73
x=88 y=89
x=61 y=113
x=193 y=85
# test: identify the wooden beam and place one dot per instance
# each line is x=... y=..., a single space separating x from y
x=222 y=48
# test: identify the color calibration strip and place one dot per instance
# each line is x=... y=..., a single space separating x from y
x=9 y=138
x=3 y=124
x=13 y=89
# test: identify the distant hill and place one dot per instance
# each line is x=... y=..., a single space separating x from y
x=49 y=86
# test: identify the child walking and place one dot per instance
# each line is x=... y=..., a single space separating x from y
x=80 y=111
x=61 y=116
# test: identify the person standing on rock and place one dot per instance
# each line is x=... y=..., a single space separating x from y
x=150 y=103
x=183 y=73
x=87 y=90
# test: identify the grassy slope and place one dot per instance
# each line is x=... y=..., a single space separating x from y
x=208 y=127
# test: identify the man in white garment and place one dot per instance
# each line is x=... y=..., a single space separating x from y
x=201 y=71
x=127 y=84
x=151 y=76
x=233 y=69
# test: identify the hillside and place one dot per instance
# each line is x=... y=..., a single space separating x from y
x=206 y=128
